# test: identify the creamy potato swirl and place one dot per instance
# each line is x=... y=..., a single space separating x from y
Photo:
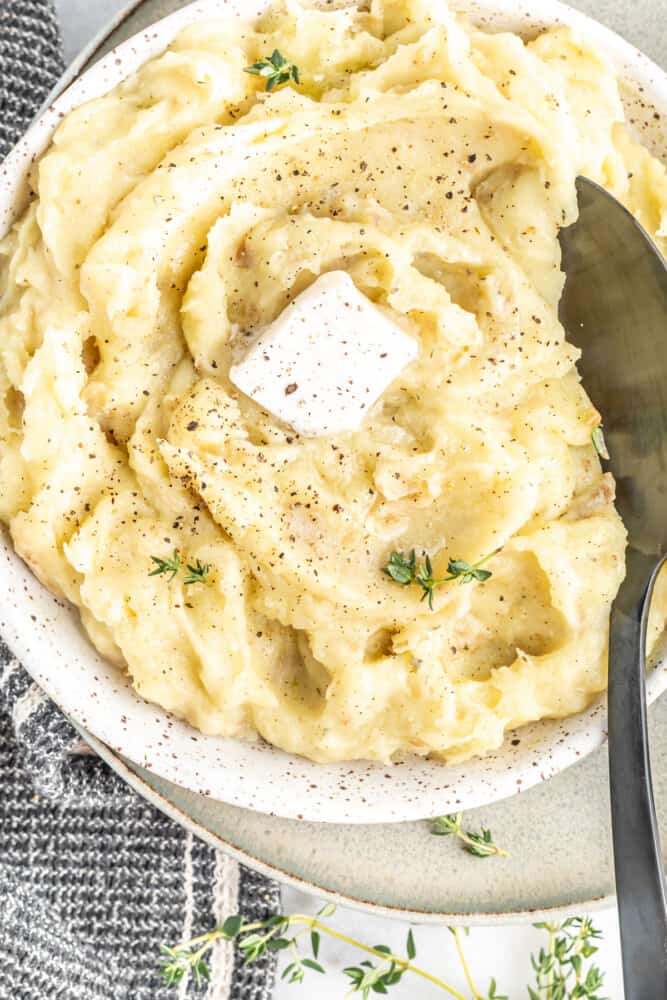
x=182 y=212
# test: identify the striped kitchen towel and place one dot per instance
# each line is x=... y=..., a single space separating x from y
x=93 y=878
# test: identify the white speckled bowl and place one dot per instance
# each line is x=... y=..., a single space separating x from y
x=45 y=634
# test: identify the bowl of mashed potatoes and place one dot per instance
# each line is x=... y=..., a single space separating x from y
x=302 y=495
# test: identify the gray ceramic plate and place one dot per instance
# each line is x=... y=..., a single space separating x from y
x=557 y=833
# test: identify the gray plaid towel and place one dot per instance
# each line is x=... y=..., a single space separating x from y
x=92 y=878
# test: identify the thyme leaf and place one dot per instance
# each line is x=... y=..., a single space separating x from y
x=170 y=566
x=599 y=443
x=275 y=70
x=403 y=568
x=480 y=845
x=197 y=573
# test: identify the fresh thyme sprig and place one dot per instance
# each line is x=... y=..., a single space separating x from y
x=480 y=845
x=379 y=976
x=275 y=70
x=559 y=968
x=197 y=573
x=171 y=566
x=404 y=568
x=183 y=959
x=257 y=937
x=599 y=443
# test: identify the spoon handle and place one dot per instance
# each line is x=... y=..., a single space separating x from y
x=640 y=877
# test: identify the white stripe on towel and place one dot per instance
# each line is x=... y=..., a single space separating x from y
x=8 y=670
x=27 y=705
x=188 y=908
x=225 y=904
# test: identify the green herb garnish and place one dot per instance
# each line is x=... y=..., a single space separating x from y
x=276 y=934
x=171 y=566
x=193 y=574
x=275 y=70
x=480 y=845
x=197 y=573
x=404 y=569
x=559 y=969
x=599 y=443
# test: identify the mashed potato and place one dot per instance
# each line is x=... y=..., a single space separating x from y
x=182 y=212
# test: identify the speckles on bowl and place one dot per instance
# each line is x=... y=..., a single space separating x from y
x=45 y=634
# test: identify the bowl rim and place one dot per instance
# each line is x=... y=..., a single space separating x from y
x=352 y=791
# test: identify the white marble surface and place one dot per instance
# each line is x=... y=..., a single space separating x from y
x=503 y=952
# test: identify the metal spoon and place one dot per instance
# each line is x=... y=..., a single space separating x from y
x=614 y=308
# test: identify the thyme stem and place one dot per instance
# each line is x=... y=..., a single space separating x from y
x=314 y=923
x=476 y=995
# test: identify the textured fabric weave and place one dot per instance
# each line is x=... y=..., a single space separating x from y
x=93 y=878
x=30 y=63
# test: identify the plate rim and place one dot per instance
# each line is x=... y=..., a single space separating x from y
x=284 y=877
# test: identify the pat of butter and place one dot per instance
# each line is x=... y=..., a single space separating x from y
x=327 y=358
